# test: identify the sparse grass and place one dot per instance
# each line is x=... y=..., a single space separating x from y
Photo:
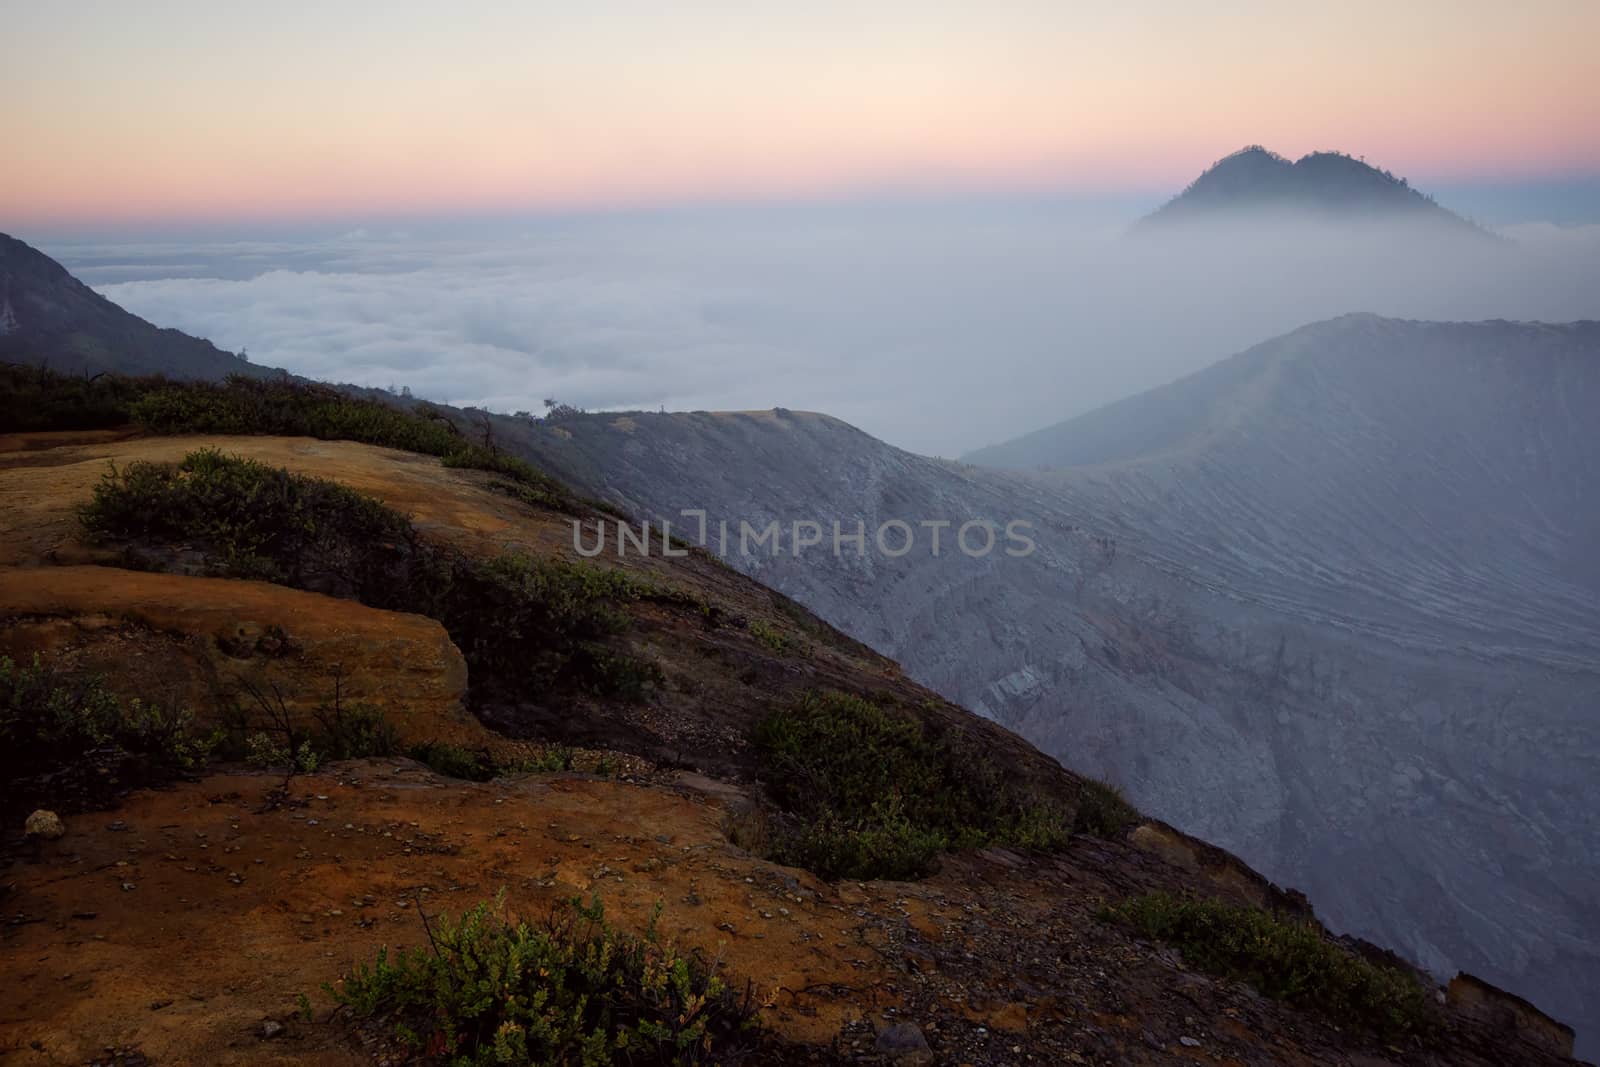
x=267 y=734
x=769 y=635
x=880 y=793
x=1284 y=958
x=546 y=760
x=453 y=761
x=1102 y=810
x=573 y=990
x=525 y=626
x=68 y=742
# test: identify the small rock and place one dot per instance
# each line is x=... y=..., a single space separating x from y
x=44 y=824
x=271 y=1028
x=903 y=1043
x=1188 y=1042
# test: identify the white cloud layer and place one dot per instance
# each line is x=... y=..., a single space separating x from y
x=937 y=329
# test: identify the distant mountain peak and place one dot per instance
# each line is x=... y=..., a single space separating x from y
x=1257 y=181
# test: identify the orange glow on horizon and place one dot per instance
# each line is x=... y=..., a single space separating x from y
x=194 y=113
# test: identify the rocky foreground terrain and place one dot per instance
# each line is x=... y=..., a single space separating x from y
x=197 y=920
x=1330 y=604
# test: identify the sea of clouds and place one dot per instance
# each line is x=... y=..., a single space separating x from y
x=939 y=328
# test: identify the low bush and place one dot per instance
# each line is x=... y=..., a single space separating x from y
x=34 y=398
x=453 y=761
x=251 y=520
x=1102 y=809
x=1284 y=958
x=571 y=991
x=525 y=626
x=267 y=734
x=880 y=793
x=68 y=742
x=769 y=635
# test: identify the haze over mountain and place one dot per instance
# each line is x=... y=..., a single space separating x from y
x=1255 y=182
x=1330 y=602
x=48 y=316
x=1306 y=603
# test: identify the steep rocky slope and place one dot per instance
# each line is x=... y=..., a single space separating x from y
x=1329 y=603
x=182 y=926
x=48 y=316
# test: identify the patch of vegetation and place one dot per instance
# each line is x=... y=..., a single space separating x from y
x=571 y=991
x=769 y=635
x=549 y=618
x=68 y=742
x=1284 y=958
x=251 y=520
x=453 y=761
x=524 y=625
x=34 y=398
x=266 y=734
x=545 y=761
x=1102 y=810
x=880 y=793
x=456 y=761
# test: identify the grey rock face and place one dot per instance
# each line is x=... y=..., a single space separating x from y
x=1333 y=604
x=903 y=1043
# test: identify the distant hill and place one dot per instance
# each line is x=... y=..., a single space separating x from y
x=1254 y=180
x=49 y=317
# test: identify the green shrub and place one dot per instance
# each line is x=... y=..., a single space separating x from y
x=881 y=793
x=544 y=761
x=882 y=844
x=572 y=991
x=289 y=407
x=68 y=741
x=1102 y=809
x=524 y=625
x=251 y=520
x=34 y=398
x=769 y=635
x=1284 y=958
x=360 y=731
x=265 y=733
x=453 y=761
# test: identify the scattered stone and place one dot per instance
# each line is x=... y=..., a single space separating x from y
x=904 y=1044
x=271 y=1028
x=45 y=825
x=1188 y=1042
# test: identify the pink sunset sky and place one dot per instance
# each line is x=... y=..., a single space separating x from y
x=202 y=111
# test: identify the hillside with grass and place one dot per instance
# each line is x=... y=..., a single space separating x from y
x=324 y=744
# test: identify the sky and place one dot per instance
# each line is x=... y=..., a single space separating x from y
x=906 y=214
x=170 y=111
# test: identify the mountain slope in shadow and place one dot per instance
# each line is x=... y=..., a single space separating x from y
x=1329 y=603
x=49 y=317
